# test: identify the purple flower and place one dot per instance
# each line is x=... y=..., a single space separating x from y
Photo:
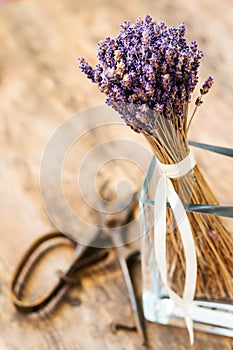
x=150 y=65
x=207 y=86
x=204 y=90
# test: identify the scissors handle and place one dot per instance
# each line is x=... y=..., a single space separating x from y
x=65 y=279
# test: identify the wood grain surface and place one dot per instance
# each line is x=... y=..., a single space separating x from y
x=40 y=87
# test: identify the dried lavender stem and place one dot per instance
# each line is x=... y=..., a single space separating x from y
x=191 y=118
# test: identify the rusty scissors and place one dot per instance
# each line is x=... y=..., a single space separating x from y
x=83 y=257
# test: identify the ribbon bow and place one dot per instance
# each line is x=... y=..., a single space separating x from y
x=165 y=192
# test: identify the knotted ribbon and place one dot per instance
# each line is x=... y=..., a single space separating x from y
x=165 y=192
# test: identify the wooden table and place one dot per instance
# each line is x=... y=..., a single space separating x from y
x=40 y=86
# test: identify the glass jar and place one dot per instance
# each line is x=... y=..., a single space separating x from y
x=214 y=316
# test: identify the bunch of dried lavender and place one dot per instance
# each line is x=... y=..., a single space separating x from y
x=149 y=73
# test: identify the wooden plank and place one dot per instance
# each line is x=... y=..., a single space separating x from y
x=40 y=87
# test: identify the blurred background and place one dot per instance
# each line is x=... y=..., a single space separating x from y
x=41 y=86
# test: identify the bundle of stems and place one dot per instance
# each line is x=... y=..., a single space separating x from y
x=213 y=241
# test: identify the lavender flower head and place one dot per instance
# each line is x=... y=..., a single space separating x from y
x=148 y=70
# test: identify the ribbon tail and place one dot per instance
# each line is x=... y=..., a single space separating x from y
x=165 y=191
x=189 y=252
x=187 y=240
x=189 y=325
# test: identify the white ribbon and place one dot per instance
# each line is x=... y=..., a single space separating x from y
x=166 y=192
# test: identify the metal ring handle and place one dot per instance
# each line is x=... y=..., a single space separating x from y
x=37 y=305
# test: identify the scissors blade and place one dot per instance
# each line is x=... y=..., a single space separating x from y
x=130 y=288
